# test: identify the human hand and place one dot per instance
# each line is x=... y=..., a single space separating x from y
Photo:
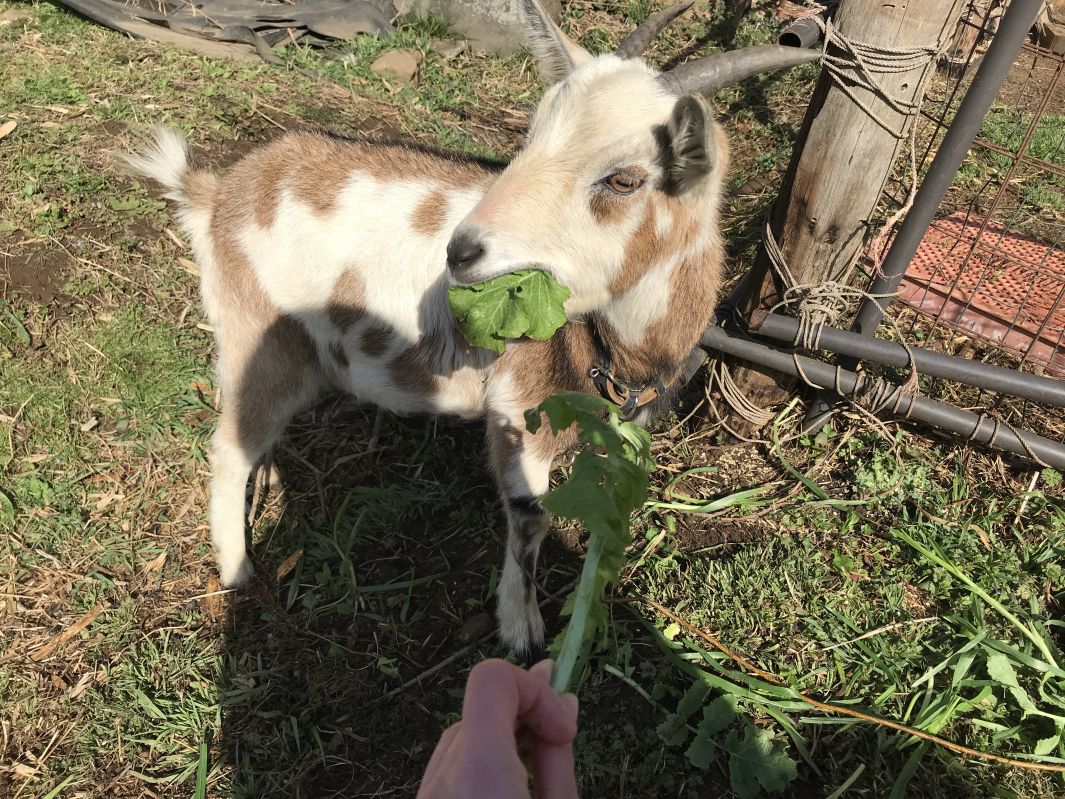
x=477 y=758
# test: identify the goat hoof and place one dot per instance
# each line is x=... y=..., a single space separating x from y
x=530 y=655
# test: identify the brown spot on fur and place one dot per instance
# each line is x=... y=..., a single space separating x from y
x=412 y=370
x=428 y=218
x=270 y=182
x=336 y=349
x=346 y=300
x=540 y=368
x=404 y=162
x=505 y=445
x=200 y=189
x=694 y=285
x=608 y=208
x=316 y=166
x=375 y=339
x=647 y=248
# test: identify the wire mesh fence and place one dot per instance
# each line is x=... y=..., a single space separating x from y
x=988 y=280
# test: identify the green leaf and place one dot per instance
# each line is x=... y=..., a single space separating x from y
x=1051 y=476
x=1047 y=745
x=909 y=768
x=700 y=753
x=128 y=204
x=149 y=706
x=200 y=791
x=718 y=715
x=756 y=763
x=606 y=484
x=7 y=508
x=674 y=730
x=525 y=303
x=843 y=563
x=1001 y=671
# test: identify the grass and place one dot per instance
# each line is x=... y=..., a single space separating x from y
x=379 y=563
x=1040 y=193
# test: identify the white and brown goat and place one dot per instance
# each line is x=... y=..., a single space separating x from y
x=326 y=262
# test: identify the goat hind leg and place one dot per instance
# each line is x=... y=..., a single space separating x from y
x=231 y=465
x=262 y=389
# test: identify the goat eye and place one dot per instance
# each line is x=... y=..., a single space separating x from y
x=623 y=182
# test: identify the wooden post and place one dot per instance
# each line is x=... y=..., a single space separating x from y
x=841 y=162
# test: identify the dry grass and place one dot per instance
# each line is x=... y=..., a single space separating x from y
x=122 y=659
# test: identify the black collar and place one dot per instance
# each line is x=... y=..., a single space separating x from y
x=629 y=397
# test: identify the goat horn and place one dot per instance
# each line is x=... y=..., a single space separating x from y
x=707 y=75
x=640 y=39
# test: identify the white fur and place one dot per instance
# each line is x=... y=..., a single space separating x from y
x=537 y=213
x=165 y=161
x=644 y=303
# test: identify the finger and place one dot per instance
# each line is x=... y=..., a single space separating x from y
x=438 y=761
x=542 y=670
x=499 y=696
x=554 y=776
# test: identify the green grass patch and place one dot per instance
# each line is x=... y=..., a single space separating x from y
x=378 y=563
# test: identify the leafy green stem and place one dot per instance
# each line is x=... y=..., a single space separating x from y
x=585 y=595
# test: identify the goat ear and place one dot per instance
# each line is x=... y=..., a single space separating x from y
x=554 y=51
x=693 y=153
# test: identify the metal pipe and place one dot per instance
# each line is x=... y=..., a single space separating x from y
x=802 y=32
x=1016 y=22
x=949 y=367
x=1007 y=42
x=970 y=426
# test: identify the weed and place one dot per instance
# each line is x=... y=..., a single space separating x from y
x=376 y=562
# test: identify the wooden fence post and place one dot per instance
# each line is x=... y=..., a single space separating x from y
x=841 y=162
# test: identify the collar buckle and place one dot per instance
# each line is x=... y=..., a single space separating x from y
x=627 y=397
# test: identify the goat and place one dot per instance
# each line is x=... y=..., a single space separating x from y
x=326 y=261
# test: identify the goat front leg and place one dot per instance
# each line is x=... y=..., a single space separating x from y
x=522 y=465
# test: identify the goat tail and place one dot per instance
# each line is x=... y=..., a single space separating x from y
x=166 y=161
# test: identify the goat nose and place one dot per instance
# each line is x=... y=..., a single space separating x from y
x=463 y=251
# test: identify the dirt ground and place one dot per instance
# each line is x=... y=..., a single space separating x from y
x=125 y=671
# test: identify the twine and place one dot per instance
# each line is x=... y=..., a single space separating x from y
x=997 y=425
x=861 y=62
x=819 y=305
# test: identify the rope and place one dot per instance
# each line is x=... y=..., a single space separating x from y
x=861 y=62
x=997 y=426
x=819 y=305
x=721 y=379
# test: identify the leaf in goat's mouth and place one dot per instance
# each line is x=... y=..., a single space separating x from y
x=526 y=303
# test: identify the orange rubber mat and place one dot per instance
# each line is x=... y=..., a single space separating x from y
x=1000 y=286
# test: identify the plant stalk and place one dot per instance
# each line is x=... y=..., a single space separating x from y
x=582 y=604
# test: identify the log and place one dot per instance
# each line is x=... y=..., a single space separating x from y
x=840 y=165
x=1050 y=26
